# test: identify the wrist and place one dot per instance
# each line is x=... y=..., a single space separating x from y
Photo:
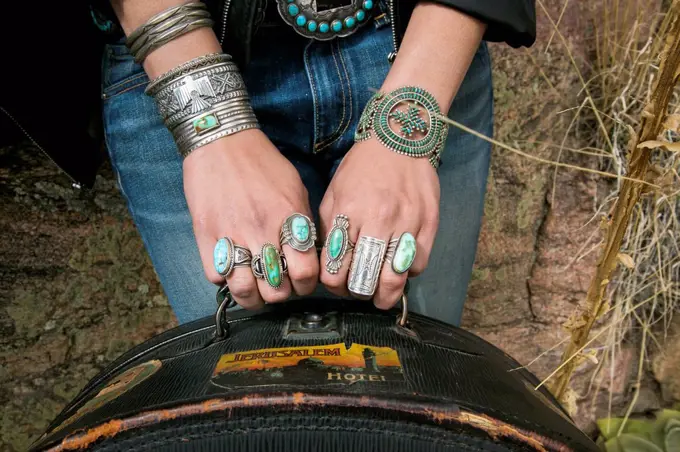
x=436 y=52
x=233 y=148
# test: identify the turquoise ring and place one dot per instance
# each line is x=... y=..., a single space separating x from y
x=337 y=244
x=401 y=253
x=298 y=232
x=227 y=256
x=270 y=265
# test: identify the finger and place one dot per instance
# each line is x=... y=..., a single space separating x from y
x=242 y=283
x=395 y=270
x=425 y=240
x=370 y=252
x=337 y=253
x=243 y=288
x=298 y=238
x=274 y=285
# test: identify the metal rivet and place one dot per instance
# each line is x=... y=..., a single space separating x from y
x=312 y=320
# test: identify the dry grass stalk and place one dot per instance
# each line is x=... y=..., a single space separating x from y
x=651 y=125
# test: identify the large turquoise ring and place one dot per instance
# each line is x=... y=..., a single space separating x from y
x=401 y=253
x=227 y=256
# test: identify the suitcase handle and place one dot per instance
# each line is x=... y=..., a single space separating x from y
x=226 y=301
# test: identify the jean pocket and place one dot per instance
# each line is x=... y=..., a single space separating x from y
x=120 y=72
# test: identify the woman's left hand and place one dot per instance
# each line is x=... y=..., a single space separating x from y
x=383 y=194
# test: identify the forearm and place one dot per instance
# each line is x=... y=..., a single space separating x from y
x=436 y=52
x=133 y=13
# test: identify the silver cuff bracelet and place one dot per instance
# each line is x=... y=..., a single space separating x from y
x=198 y=90
x=203 y=100
x=225 y=118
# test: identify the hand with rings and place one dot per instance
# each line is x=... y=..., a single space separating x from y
x=379 y=216
x=240 y=191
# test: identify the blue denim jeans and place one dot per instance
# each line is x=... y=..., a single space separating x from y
x=308 y=97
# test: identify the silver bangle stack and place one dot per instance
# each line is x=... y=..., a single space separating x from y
x=166 y=26
x=203 y=100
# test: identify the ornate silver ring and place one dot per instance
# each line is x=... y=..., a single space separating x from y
x=366 y=264
x=337 y=243
x=298 y=232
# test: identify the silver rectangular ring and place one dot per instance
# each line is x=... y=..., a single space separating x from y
x=366 y=265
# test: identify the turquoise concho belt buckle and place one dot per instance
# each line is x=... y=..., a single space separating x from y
x=325 y=19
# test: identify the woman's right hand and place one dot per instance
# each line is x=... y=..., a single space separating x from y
x=241 y=187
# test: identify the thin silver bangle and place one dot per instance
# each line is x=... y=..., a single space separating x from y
x=175 y=32
x=165 y=26
x=160 y=17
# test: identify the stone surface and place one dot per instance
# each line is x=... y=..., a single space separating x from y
x=76 y=290
x=205 y=123
x=300 y=228
x=221 y=255
x=666 y=363
x=405 y=253
x=335 y=243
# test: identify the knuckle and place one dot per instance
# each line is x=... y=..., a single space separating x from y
x=303 y=272
x=257 y=217
x=331 y=281
x=276 y=296
x=242 y=286
x=391 y=283
x=385 y=212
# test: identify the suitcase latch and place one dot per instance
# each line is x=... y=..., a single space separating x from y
x=310 y=325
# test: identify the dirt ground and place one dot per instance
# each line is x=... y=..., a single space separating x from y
x=77 y=288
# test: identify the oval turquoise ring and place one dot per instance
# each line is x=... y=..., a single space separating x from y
x=337 y=243
x=270 y=265
x=401 y=253
x=227 y=256
x=298 y=232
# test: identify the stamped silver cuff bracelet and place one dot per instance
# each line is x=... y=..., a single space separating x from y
x=198 y=90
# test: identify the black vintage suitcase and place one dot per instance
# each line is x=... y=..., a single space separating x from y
x=314 y=375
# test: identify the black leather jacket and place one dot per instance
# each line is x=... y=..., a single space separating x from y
x=61 y=75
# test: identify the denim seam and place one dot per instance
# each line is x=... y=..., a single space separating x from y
x=129 y=88
x=119 y=180
x=349 y=105
x=308 y=69
x=333 y=137
x=124 y=81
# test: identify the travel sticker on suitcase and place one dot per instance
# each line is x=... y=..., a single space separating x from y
x=321 y=364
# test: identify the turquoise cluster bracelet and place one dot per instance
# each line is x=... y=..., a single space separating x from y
x=406 y=121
